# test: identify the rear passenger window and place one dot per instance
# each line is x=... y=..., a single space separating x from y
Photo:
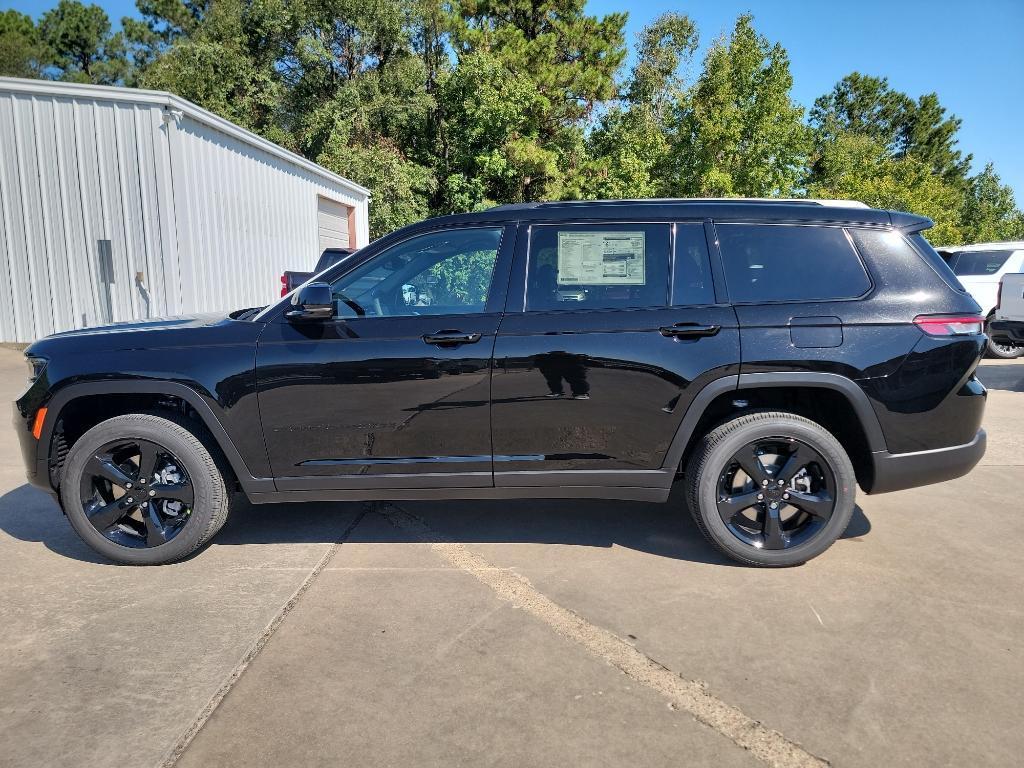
x=598 y=266
x=778 y=262
x=691 y=283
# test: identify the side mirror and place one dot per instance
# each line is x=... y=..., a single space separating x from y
x=312 y=302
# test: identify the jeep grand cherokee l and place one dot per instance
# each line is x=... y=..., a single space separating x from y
x=771 y=356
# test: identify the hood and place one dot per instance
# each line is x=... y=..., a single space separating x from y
x=153 y=324
x=185 y=330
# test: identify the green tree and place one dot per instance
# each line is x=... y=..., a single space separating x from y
x=356 y=100
x=229 y=64
x=740 y=132
x=22 y=50
x=856 y=166
x=163 y=23
x=83 y=46
x=568 y=58
x=990 y=213
x=628 y=154
x=867 y=106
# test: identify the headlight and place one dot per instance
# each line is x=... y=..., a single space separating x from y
x=36 y=366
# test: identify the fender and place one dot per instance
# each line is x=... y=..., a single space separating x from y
x=209 y=418
x=848 y=387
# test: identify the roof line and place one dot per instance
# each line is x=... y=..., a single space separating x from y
x=170 y=100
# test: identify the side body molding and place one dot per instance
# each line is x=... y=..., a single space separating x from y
x=72 y=392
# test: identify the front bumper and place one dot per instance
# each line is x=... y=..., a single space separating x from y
x=898 y=471
x=1007 y=331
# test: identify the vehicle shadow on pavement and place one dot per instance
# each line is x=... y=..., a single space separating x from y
x=665 y=530
x=1007 y=376
x=29 y=514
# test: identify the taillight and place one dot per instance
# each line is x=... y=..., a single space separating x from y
x=284 y=285
x=950 y=325
x=999 y=295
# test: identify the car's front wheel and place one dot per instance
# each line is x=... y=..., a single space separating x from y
x=770 y=488
x=142 y=489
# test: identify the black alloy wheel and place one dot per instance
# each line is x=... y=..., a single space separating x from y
x=136 y=493
x=776 y=493
x=770 y=488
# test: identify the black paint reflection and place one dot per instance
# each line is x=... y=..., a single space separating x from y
x=558 y=367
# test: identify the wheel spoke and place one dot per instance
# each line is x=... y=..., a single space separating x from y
x=175 y=491
x=774 y=536
x=156 y=533
x=105 y=516
x=730 y=505
x=104 y=466
x=799 y=458
x=819 y=504
x=147 y=460
x=750 y=462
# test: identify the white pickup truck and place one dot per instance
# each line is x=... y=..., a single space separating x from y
x=979 y=268
x=1007 y=326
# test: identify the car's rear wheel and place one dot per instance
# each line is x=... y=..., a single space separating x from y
x=1003 y=351
x=143 y=489
x=770 y=488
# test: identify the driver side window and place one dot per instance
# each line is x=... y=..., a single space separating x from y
x=441 y=273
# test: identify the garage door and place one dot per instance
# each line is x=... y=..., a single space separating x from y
x=332 y=222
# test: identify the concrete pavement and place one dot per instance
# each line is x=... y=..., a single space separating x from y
x=899 y=646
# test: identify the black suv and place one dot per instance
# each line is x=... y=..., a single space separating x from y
x=770 y=355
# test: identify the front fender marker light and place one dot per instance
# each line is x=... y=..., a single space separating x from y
x=950 y=325
x=37 y=425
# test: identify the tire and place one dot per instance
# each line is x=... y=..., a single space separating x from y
x=716 y=485
x=192 y=500
x=1002 y=351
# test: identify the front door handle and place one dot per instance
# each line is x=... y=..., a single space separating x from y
x=451 y=338
x=689 y=330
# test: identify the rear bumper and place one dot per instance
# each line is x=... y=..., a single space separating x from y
x=1007 y=331
x=898 y=471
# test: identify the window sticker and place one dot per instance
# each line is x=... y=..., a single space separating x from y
x=601 y=258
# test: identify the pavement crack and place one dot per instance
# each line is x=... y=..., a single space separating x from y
x=693 y=696
x=254 y=649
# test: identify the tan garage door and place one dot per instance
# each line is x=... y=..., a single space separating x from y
x=332 y=223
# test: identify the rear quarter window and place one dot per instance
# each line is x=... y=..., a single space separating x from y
x=781 y=262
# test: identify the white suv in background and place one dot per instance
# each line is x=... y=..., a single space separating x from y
x=980 y=268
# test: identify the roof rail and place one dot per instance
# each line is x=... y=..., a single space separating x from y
x=779 y=200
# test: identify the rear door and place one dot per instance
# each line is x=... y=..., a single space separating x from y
x=601 y=350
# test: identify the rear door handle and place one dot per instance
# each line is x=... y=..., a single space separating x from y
x=451 y=338
x=689 y=330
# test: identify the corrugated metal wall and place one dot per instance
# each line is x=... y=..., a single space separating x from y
x=120 y=209
x=243 y=212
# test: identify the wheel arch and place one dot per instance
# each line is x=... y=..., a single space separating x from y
x=846 y=412
x=135 y=393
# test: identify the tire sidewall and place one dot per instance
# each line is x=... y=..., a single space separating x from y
x=167 y=434
x=819 y=439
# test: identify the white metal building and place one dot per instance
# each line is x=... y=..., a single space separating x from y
x=121 y=204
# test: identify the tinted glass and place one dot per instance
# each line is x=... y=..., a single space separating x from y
x=980 y=262
x=691 y=283
x=442 y=273
x=941 y=263
x=790 y=263
x=599 y=266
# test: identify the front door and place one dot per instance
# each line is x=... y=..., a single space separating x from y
x=394 y=391
x=596 y=368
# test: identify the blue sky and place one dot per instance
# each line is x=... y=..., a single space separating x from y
x=970 y=53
